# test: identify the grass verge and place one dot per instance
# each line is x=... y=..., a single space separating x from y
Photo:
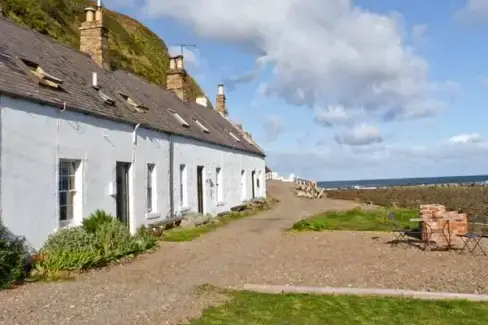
x=357 y=220
x=189 y=234
x=255 y=308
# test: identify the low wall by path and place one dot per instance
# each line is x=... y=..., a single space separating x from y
x=423 y=295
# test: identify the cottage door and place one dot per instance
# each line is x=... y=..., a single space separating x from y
x=122 y=197
x=200 y=188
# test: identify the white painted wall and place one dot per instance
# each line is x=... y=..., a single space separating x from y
x=194 y=154
x=34 y=137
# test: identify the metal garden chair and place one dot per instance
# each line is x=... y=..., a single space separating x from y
x=402 y=234
x=477 y=230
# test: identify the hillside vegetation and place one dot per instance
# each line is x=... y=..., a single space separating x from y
x=471 y=200
x=133 y=47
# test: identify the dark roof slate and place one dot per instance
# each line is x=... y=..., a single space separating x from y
x=75 y=69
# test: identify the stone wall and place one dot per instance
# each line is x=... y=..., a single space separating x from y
x=434 y=222
x=175 y=81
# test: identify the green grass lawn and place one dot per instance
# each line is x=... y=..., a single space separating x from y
x=248 y=308
x=357 y=220
x=189 y=234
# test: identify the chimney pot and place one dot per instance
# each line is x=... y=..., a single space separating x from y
x=172 y=63
x=220 y=89
x=99 y=14
x=99 y=4
x=90 y=14
x=179 y=62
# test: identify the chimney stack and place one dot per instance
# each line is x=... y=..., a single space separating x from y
x=176 y=77
x=94 y=37
x=221 y=100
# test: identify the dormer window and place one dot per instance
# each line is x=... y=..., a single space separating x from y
x=131 y=102
x=178 y=118
x=234 y=136
x=201 y=126
x=45 y=79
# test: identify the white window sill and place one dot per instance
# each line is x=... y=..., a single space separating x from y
x=65 y=224
x=153 y=215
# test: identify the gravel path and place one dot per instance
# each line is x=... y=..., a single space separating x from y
x=159 y=288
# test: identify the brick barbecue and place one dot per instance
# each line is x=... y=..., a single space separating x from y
x=434 y=216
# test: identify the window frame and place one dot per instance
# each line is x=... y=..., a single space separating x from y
x=183 y=185
x=151 y=188
x=72 y=177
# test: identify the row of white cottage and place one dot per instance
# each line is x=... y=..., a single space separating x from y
x=59 y=165
x=57 y=168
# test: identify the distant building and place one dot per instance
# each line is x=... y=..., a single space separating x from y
x=76 y=137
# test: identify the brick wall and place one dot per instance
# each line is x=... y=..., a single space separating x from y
x=433 y=216
x=220 y=105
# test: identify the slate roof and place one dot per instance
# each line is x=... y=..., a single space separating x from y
x=75 y=69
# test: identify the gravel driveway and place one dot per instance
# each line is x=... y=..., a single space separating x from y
x=159 y=288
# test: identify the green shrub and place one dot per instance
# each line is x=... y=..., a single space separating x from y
x=76 y=249
x=115 y=241
x=96 y=220
x=71 y=249
x=13 y=258
x=145 y=238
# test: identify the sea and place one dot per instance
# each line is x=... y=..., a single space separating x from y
x=379 y=183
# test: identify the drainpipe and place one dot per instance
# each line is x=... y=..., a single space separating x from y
x=131 y=186
x=134 y=142
x=171 y=176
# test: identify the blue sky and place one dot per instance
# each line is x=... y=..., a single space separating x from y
x=342 y=89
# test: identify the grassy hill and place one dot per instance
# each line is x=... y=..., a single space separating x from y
x=133 y=47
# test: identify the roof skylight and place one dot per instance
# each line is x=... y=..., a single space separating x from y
x=201 y=126
x=234 y=136
x=247 y=138
x=131 y=102
x=106 y=98
x=44 y=78
x=178 y=118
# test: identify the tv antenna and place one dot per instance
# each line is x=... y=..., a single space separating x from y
x=183 y=46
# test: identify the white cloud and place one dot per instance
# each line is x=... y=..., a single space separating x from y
x=473 y=11
x=323 y=52
x=334 y=162
x=333 y=116
x=419 y=33
x=191 y=57
x=360 y=135
x=466 y=138
x=273 y=126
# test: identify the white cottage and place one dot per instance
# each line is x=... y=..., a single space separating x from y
x=76 y=137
